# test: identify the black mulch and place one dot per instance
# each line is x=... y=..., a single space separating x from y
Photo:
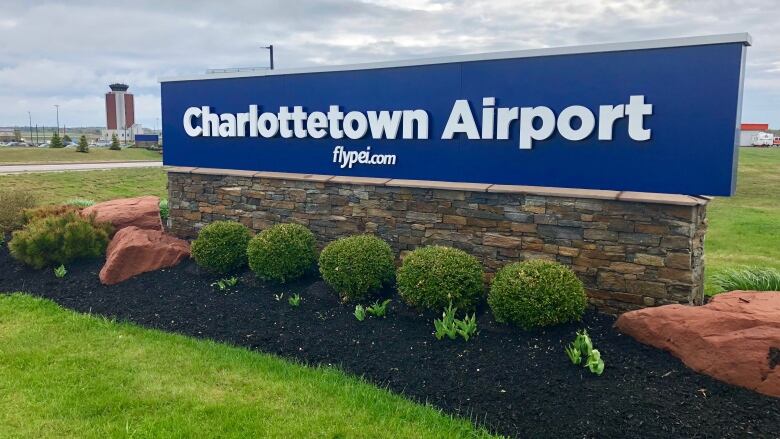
x=516 y=383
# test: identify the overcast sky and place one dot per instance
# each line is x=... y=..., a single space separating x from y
x=67 y=53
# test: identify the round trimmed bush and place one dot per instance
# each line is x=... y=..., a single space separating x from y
x=282 y=253
x=536 y=293
x=221 y=246
x=357 y=266
x=432 y=277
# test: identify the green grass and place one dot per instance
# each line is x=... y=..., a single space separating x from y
x=11 y=155
x=58 y=187
x=748 y=278
x=64 y=374
x=745 y=229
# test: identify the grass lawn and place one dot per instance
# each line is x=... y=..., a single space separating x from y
x=64 y=374
x=745 y=229
x=10 y=155
x=56 y=187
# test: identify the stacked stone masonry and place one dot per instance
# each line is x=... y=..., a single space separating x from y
x=631 y=250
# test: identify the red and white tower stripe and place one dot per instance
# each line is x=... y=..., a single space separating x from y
x=120 y=108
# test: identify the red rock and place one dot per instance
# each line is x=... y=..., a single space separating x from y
x=134 y=251
x=734 y=338
x=142 y=212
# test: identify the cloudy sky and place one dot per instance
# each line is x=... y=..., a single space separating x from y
x=67 y=52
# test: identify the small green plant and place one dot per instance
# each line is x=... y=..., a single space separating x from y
x=360 y=312
x=165 y=211
x=748 y=278
x=294 y=300
x=378 y=309
x=452 y=327
x=79 y=202
x=226 y=283
x=574 y=354
x=60 y=272
x=582 y=348
x=83 y=146
x=278 y=297
x=595 y=364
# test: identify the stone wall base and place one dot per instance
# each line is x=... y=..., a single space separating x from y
x=631 y=250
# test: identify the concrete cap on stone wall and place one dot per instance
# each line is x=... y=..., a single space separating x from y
x=228 y=172
x=359 y=180
x=444 y=185
x=649 y=197
x=628 y=196
x=179 y=169
x=555 y=191
x=293 y=176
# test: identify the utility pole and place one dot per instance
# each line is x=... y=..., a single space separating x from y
x=270 y=54
x=30 y=116
x=57 y=106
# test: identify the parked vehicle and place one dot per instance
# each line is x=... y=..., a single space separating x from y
x=762 y=139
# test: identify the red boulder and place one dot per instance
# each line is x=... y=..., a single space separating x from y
x=734 y=338
x=141 y=212
x=134 y=251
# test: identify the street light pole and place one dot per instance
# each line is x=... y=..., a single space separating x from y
x=30 y=116
x=270 y=54
x=57 y=106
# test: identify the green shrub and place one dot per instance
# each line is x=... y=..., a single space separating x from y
x=114 y=143
x=79 y=202
x=13 y=203
x=59 y=239
x=56 y=141
x=434 y=277
x=282 y=253
x=164 y=209
x=536 y=293
x=30 y=215
x=748 y=278
x=83 y=146
x=221 y=246
x=357 y=266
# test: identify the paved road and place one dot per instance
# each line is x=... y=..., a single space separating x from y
x=18 y=169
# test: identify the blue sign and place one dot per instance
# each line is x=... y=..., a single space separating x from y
x=656 y=116
x=146 y=138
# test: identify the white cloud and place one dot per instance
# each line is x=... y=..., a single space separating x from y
x=70 y=51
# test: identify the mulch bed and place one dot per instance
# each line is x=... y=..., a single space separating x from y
x=517 y=383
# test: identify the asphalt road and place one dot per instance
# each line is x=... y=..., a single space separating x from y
x=19 y=169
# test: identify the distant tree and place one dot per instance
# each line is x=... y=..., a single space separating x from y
x=56 y=142
x=83 y=146
x=115 y=143
x=66 y=139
